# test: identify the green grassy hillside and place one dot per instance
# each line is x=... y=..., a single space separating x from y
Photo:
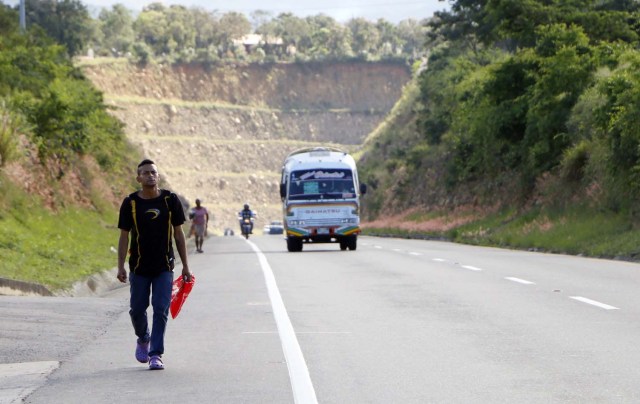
x=64 y=164
x=54 y=249
x=515 y=135
x=412 y=195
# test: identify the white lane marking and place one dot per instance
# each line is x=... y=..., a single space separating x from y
x=397 y=250
x=439 y=260
x=593 y=303
x=303 y=391
x=469 y=267
x=417 y=254
x=518 y=280
x=378 y=247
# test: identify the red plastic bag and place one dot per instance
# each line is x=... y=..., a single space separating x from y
x=179 y=293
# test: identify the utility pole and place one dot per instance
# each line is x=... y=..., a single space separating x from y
x=23 y=18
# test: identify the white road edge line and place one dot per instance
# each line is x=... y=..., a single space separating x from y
x=518 y=280
x=593 y=303
x=303 y=391
x=469 y=267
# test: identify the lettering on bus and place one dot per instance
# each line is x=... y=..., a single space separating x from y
x=327 y=211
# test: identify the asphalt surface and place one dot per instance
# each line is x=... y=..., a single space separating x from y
x=397 y=321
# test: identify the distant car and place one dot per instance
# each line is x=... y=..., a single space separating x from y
x=266 y=229
x=276 y=227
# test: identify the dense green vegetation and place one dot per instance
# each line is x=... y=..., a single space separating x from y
x=47 y=105
x=44 y=94
x=178 y=34
x=529 y=106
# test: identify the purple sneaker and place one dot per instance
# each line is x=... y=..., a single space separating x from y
x=142 y=352
x=155 y=363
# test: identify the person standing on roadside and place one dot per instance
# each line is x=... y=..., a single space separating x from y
x=153 y=217
x=200 y=222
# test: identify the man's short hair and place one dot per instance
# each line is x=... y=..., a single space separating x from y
x=144 y=163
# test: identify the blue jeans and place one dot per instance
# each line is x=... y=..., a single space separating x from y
x=141 y=289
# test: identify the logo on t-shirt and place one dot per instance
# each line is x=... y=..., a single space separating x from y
x=154 y=213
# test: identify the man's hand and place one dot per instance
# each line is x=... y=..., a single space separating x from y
x=186 y=274
x=122 y=275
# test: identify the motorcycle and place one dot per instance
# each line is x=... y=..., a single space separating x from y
x=246 y=226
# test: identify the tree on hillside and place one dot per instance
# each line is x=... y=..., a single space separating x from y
x=412 y=37
x=66 y=21
x=205 y=25
x=390 y=43
x=365 y=37
x=565 y=66
x=8 y=20
x=328 y=38
x=512 y=24
x=463 y=24
x=617 y=118
x=294 y=31
x=65 y=114
x=116 y=26
x=181 y=30
x=608 y=25
x=150 y=28
x=232 y=26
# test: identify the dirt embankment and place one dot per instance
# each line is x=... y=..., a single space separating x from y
x=221 y=134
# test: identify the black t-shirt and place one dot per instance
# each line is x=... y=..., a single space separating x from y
x=151 y=223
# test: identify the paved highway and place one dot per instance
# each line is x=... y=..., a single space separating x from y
x=397 y=321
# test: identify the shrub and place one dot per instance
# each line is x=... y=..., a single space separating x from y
x=574 y=162
x=142 y=53
x=11 y=125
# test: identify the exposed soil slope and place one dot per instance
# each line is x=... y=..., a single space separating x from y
x=221 y=134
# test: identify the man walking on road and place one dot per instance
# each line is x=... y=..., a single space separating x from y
x=153 y=217
x=200 y=222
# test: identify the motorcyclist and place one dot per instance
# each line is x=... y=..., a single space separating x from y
x=246 y=213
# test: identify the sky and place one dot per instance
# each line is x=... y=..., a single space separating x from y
x=342 y=10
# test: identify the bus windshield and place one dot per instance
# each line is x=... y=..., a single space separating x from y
x=321 y=184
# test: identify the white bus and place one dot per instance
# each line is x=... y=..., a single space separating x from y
x=320 y=195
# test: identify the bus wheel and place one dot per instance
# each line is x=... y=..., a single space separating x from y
x=294 y=244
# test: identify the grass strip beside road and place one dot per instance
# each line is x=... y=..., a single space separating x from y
x=575 y=230
x=54 y=249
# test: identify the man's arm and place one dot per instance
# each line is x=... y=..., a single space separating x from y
x=123 y=248
x=181 y=244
